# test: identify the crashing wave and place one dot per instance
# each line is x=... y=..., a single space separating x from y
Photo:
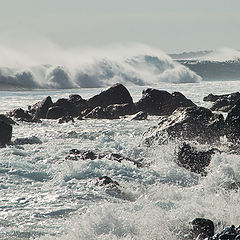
x=131 y=68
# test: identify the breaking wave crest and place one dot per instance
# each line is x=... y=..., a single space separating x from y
x=131 y=65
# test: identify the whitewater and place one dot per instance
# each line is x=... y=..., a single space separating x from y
x=45 y=196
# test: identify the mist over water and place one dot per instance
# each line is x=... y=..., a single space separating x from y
x=56 y=68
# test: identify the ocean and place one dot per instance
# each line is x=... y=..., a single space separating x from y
x=45 y=196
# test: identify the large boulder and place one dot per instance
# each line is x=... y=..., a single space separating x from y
x=39 y=110
x=5 y=133
x=116 y=94
x=69 y=106
x=190 y=123
x=194 y=160
x=159 y=102
x=202 y=228
x=232 y=123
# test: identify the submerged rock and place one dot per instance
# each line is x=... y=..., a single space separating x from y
x=75 y=154
x=105 y=180
x=27 y=140
x=159 y=102
x=194 y=160
x=190 y=123
x=5 y=133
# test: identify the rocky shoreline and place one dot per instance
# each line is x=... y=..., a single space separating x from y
x=180 y=120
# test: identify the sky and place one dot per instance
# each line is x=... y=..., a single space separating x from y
x=173 y=25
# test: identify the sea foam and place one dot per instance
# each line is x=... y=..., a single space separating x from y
x=56 y=68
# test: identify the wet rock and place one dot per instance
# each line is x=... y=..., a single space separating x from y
x=190 y=123
x=22 y=115
x=229 y=233
x=75 y=154
x=80 y=103
x=140 y=116
x=223 y=102
x=116 y=94
x=112 y=111
x=65 y=119
x=6 y=119
x=100 y=113
x=232 y=123
x=213 y=98
x=68 y=106
x=203 y=228
x=56 y=112
x=5 y=133
x=19 y=113
x=192 y=159
x=105 y=180
x=39 y=110
x=159 y=102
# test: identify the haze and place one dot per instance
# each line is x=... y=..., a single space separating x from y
x=173 y=25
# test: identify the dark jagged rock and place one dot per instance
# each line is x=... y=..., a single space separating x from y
x=112 y=111
x=100 y=113
x=159 y=102
x=228 y=233
x=22 y=115
x=213 y=98
x=116 y=94
x=191 y=123
x=76 y=155
x=6 y=119
x=5 y=133
x=39 y=110
x=192 y=159
x=232 y=123
x=140 y=116
x=56 y=112
x=80 y=103
x=223 y=102
x=118 y=110
x=203 y=228
x=65 y=119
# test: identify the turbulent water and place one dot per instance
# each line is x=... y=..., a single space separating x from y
x=45 y=196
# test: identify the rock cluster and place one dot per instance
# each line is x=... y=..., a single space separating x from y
x=203 y=229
